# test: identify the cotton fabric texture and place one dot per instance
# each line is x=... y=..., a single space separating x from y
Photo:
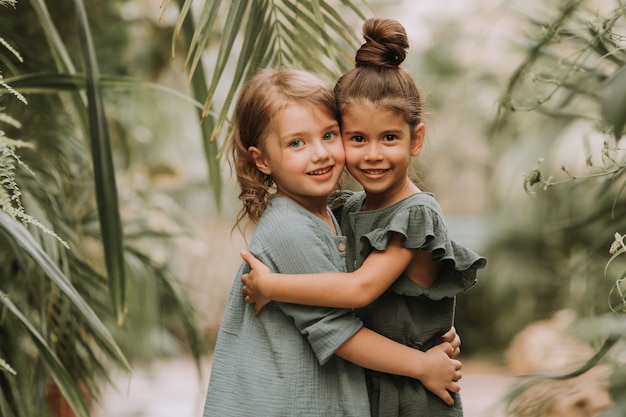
x=282 y=362
x=406 y=312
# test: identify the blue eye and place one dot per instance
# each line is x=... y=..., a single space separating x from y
x=329 y=135
x=296 y=143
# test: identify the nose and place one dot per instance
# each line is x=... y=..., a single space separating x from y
x=320 y=152
x=373 y=152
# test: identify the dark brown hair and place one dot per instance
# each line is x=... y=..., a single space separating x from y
x=261 y=98
x=377 y=76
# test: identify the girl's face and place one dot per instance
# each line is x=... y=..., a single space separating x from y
x=303 y=153
x=379 y=145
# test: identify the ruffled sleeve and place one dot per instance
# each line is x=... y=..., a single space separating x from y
x=423 y=227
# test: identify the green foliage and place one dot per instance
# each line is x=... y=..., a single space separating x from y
x=614 y=104
x=55 y=308
x=313 y=35
x=57 y=304
x=570 y=89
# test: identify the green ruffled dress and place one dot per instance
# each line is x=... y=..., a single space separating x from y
x=406 y=312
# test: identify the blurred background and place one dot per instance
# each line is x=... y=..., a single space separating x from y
x=117 y=248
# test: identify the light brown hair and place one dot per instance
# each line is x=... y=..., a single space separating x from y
x=260 y=100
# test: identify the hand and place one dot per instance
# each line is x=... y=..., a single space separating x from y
x=453 y=338
x=442 y=372
x=251 y=282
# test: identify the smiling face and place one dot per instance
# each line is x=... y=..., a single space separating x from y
x=303 y=153
x=379 y=144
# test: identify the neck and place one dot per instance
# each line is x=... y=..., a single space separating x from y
x=317 y=206
x=376 y=201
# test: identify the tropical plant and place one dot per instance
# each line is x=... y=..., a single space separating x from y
x=313 y=35
x=568 y=99
x=57 y=302
x=57 y=305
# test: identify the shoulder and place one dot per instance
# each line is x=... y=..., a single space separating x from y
x=423 y=201
x=354 y=201
x=285 y=218
x=288 y=231
x=418 y=218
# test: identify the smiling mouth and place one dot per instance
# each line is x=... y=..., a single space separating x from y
x=321 y=171
x=374 y=171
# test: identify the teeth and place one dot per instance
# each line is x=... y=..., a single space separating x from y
x=374 y=171
x=321 y=171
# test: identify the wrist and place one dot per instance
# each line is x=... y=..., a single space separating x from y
x=266 y=284
x=418 y=369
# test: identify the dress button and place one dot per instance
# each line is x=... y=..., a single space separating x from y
x=341 y=247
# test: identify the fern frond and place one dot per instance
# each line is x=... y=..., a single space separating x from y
x=8 y=2
x=11 y=49
x=10 y=193
x=13 y=91
x=4 y=366
x=5 y=118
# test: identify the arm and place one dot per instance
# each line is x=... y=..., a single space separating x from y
x=338 y=331
x=332 y=289
x=434 y=368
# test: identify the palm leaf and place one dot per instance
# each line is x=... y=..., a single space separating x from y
x=311 y=35
x=64 y=381
x=234 y=20
x=57 y=48
x=22 y=238
x=54 y=82
x=104 y=171
x=211 y=151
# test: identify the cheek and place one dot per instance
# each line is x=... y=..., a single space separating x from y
x=352 y=156
x=338 y=153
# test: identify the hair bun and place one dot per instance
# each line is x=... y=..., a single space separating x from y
x=386 y=44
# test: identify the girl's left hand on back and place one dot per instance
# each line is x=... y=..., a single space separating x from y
x=251 y=282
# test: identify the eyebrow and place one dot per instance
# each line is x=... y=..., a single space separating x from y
x=290 y=135
x=386 y=132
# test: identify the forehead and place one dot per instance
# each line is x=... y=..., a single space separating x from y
x=368 y=111
x=358 y=105
x=288 y=112
x=300 y=119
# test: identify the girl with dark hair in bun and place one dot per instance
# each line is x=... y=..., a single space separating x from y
x=299 y=360
x=406 y=270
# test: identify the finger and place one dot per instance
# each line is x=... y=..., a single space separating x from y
x=455 y=353
x=453 y=387
x=249 y=259
x=447 y=336
x=456 y=342
x=446 y=397
x=244 y=278
x=248 y=300
x=244 y=289
x=447 y=348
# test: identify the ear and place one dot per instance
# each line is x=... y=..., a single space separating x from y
x=259 y=160
x=417 y=139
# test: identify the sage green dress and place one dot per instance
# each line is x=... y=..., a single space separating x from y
x=282 y=363
x=406 y=312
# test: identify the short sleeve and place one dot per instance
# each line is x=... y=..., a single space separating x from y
x=298 y=245
x=422 y=227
